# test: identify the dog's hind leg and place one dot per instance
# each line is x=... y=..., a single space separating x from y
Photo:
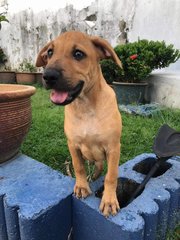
x=98 y=169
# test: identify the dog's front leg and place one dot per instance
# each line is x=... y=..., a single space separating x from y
x=109 y=203
x=81 y=188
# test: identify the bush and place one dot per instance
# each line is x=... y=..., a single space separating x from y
x=139 y=59
x=110 y=70
x=26 y=66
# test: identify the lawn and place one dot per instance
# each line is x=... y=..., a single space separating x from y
x=46 y=141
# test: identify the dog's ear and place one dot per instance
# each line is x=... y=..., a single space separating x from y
x=105 y=50
x=41 y=60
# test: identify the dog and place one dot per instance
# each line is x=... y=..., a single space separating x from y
x=92 y=121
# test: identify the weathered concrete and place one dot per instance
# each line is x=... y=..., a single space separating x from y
x=157 y=20
x=35 y=201
x=148 y=217
x=164 y=88
x=32 y=23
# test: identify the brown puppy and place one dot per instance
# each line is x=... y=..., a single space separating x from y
x=92 y=119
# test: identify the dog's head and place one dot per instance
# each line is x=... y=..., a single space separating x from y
x=71 y=64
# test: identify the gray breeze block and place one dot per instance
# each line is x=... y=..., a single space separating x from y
x=148 y=217
x=35 y=201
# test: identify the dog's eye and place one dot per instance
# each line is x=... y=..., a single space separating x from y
x=78 y=55
x=50 y=53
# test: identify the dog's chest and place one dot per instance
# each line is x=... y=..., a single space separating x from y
x=91 y=147
x=87 y=137
x=92 y=152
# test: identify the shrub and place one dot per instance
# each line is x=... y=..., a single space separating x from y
x=26 y=66
x=139 y=59
x=110 y=70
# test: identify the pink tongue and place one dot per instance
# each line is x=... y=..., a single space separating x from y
x=58 y=97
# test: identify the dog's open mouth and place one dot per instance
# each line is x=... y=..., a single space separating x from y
x=61 y=97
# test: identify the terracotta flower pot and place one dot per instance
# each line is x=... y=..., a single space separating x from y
x=38 y=78
x=15 y=117
x=25 y=78
x=7 y=77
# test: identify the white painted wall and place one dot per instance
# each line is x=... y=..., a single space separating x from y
x=157 y=20
x=38 y=6
x=164 y=88
x=33 y=23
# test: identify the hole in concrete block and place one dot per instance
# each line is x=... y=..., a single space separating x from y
x=125 y=189
x=145 y=166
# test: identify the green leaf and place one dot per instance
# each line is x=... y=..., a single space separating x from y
x=3 y=18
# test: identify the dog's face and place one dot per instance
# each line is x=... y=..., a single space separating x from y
x=71 y=64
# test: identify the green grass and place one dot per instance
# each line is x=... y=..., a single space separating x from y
x=46 y=141
x=174 y=235
x=139 y=132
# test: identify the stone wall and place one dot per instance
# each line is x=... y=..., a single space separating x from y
x=31 y=26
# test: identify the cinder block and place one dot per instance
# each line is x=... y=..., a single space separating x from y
x=12 y=226
x=171 y=182
x=149 y=210
x=3 y=232
x=163 y=189
x=89 y=224
x=35 y=201
x=153 y=212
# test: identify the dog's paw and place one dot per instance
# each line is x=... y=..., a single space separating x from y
x=109 y=205
x=82 y=191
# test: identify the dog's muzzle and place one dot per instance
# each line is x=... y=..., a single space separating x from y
x=62 y=93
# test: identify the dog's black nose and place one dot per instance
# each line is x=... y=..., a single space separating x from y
x=51 y=76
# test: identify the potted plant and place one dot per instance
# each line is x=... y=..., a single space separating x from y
x=38 y=78
x=26 y=73
x=138 y=59
x=15 y=120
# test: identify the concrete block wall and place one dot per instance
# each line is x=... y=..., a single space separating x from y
x=35 y=201
x=162 y=85
x=148 y=217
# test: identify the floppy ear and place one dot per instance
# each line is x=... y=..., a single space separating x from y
x=105 y=50
x=41 y=60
